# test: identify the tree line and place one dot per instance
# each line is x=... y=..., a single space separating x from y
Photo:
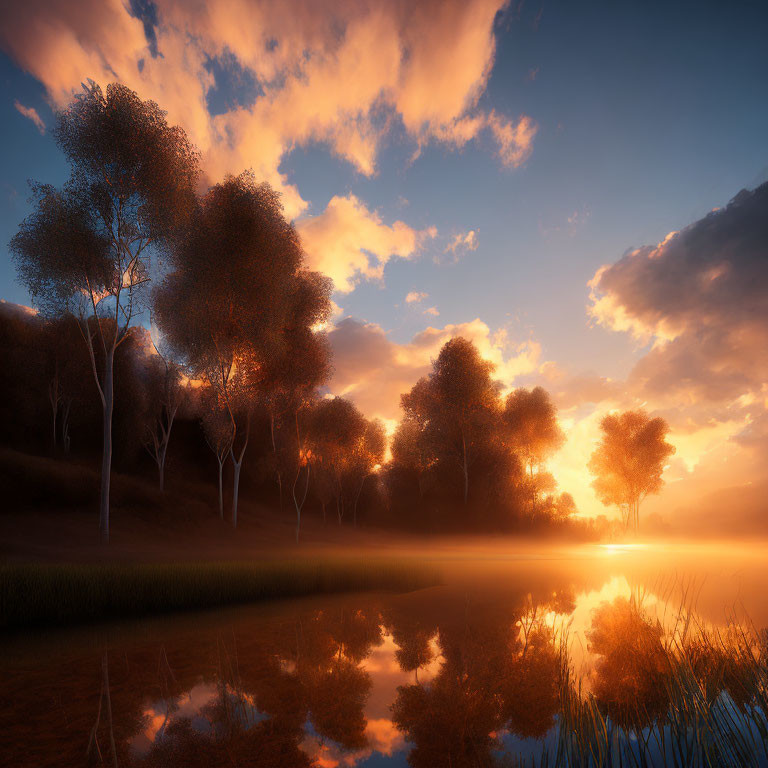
x=235 y=344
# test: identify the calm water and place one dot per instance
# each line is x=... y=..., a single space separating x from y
x=466 y=674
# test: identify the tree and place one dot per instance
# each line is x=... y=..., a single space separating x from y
x=291 y=376
x=61 y=340
x=343 y=443
x=409 y=452
x=166 y=393
x=366 y=455
x=85 y=249
x=238 y=299
x=217 y=429
x=455 y=406
x=629 y=461
x=532 y=431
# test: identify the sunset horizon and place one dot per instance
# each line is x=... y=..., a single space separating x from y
x=461 y=301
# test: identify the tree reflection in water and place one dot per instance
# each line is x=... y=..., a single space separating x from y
x=464 y=684
x=633 y=667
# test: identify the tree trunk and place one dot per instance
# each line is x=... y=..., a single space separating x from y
x=238 y=463
x=170 y=414
x=298 y=506
x=106 y=456
x=274 y=454
x=161 y=465
x=357 y=496
x=637 y=516
x=65 y=425
x=323 y=505
x=221 y=486
x=236 y=489
x=54 y=398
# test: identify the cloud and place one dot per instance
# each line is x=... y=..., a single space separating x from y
x=374 y=371
x=349 y=243
x=31 y=114
x=414 y=297
x=22 y=311
x=433 y=311
x=464 y=241
x=515 y=140
x=701 y=298
x=339 y=73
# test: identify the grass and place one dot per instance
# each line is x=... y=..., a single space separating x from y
x=42 y=594
x=715 y=714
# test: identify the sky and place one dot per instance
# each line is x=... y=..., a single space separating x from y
x=510 y=172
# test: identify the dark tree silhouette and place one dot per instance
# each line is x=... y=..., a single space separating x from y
x=62 y=344
x=232 y=315
x=458 y=440
x=629 y=461
x=291 y=379
x=345 y=447
x=455 y=406
x=410 y=453
x=85 y=249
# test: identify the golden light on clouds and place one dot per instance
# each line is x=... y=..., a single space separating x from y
x=339 y=74
x=348 y=242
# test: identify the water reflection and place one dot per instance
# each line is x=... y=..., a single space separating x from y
x=453 y=677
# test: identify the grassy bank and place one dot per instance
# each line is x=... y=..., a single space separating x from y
x=43 y=594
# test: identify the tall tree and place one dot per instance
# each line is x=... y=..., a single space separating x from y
x=455 y=406
x=292 y=375
x=532 y=431
x=85 y=249
x=629 y=461
x=336 y=432
x=235 y=300
x=367 y=454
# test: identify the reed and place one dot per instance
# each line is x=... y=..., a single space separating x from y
x=717 y=713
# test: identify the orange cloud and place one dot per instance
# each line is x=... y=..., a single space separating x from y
x=464 y=241
x=348 y=242
x=31 y=114
x=414 y=297
x=515 y=140
x=337 y=73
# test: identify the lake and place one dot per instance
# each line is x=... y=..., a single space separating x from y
x=653 y=654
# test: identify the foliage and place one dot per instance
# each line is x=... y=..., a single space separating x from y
x=629 y=461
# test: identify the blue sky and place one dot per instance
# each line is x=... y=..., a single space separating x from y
x=648 y=115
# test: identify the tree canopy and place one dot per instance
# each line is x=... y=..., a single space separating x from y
x=628 y=463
